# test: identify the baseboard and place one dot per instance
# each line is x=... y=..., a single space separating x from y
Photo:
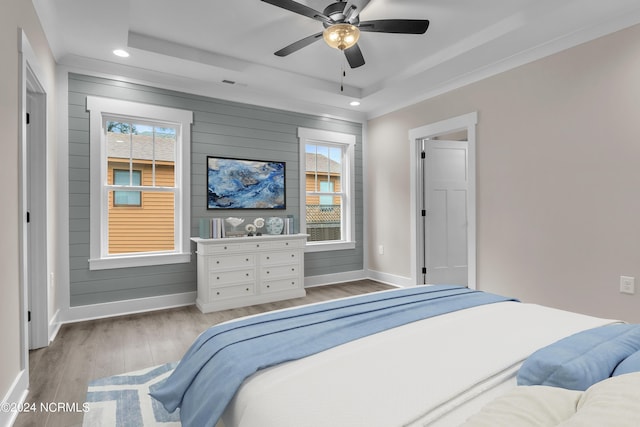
x=15 y=396
x=390 y=279
x=54 y=326
x=386 y=278
x=120 y=308
x=330 y=279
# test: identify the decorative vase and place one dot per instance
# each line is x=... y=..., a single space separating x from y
x=274 y=225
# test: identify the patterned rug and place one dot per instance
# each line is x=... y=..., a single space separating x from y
x=124 y=401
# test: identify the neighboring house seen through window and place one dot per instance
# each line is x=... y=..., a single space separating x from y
x=139 y=184
x=328 y=212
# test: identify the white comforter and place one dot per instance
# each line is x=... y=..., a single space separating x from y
x=415 y=375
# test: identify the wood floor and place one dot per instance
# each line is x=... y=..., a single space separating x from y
x=100 y=348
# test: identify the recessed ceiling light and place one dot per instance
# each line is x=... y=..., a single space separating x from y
x=121 y=53
x=354 y=103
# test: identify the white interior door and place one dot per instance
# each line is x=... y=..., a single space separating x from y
x=36 y=227
x=446 y=187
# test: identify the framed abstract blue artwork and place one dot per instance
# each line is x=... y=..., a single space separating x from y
x=245 y=184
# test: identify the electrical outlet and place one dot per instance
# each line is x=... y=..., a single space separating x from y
x=627 y=285
x=380 y=249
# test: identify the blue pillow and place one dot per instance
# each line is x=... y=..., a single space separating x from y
x=581 y=360
x=628 y=365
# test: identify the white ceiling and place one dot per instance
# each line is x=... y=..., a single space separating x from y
x=192 y=45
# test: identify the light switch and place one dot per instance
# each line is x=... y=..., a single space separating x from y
x=627 y=285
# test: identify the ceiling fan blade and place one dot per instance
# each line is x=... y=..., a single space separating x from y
x=293 y=47
x=354 y=56
x=397 y=26
x=353 y=9
x=300 y=9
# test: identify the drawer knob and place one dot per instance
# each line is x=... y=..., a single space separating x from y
x=293 y=255
x=217 y=278
x=247 y=259
x=217 y=293
x=268 y=257
x=225 y=247
x=247 y=289
x=268 y=272
x=293 y=269
x=246 y=274
x=268 y=286
x=217 y=262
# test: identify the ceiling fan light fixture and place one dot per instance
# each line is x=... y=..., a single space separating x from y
x=341 y=36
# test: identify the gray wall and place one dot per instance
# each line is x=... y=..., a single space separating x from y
x=220 y=128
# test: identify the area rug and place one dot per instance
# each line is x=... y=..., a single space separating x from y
x=124 y=400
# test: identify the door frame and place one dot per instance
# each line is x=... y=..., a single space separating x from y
x=466 y=122
x=34 y=278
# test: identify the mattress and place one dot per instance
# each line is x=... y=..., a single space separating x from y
x=434 y=372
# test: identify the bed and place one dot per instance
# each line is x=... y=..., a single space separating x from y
x=431 y=371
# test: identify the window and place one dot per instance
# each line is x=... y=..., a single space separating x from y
x=328 y=166
x=139 y=184
x=126 y=178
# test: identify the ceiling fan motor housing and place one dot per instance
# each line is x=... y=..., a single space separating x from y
x=336 y=12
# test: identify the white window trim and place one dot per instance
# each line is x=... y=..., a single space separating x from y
x=99 y=259
x=317 y=136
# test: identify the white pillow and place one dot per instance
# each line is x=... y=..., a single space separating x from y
x=528 y=406
x=612 y=402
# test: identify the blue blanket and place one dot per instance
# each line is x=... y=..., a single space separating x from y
x=217 y=363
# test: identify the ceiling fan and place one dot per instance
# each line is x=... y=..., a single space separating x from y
x=343 y=26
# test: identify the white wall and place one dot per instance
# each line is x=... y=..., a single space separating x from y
x=15 y=14
x=558 y=178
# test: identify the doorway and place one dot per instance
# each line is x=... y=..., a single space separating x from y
x=443 y=202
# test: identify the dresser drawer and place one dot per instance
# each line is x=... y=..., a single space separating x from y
x=256 y=246
x=273 y=258
x=221 y=249
x=284 y=244
x=278 y=271
x=231 y=261
x=280 y=285
x=231 y=291
x=222 y=278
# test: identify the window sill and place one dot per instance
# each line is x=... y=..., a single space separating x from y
x=329 y=246
x=128 y=261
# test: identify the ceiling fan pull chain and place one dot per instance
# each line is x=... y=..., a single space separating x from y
x=342 y=76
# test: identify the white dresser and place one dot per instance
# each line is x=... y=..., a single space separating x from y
x=240 y=271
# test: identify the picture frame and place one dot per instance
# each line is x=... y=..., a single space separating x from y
x=234 y=183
